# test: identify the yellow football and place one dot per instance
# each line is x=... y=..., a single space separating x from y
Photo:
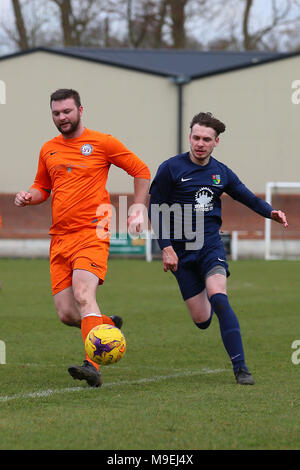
x=105 y=344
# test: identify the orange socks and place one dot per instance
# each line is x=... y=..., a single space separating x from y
x=90 y=321
x=108 y=320
x=87 y=323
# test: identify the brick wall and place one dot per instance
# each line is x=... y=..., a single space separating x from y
x=34 y=221
x=236 y=216
x=24 y=222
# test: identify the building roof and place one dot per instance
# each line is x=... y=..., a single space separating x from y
x=171 y=63
x=182 y=65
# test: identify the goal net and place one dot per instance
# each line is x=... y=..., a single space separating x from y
x=281 y=243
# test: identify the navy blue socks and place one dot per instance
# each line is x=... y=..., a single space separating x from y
x=230 y=330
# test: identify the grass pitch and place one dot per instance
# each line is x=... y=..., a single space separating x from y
x=174 y=389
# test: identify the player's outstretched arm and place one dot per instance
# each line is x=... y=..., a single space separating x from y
x=279 y=217
x=29 y=198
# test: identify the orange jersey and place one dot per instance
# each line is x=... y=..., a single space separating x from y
x=75 y=171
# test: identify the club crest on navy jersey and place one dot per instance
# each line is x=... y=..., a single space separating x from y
x=204 y=197
x=216 y=179
x=86 y=149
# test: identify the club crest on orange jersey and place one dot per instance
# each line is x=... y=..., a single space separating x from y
x=86 y=149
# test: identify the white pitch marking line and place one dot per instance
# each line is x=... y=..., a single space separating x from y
x=49 y=392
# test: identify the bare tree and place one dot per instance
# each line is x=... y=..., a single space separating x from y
x=145 y=20
x=197 y=24
x=75 y=22
x=279 y=17
x=138 y=23
x=67 y=21
x=21 y=38
x=249 y=24
x=28 y=27
x=247 y=37
x=178 y=20
x=155 y=23
x=160 y=22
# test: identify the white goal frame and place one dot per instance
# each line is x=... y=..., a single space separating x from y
x=269 y=187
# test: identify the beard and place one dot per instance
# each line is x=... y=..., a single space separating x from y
x=73 y=125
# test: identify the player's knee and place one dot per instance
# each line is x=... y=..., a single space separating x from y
x=68 y=317
x=81 y=294
x=203 y=325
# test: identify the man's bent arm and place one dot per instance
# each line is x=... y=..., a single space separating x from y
x=138 y=211
x=29 y=198
x=141 y=190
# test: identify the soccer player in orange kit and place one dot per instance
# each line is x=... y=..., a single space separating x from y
x=74 y=167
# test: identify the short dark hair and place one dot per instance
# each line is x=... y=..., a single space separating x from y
x=65 y=93
x=208 y=120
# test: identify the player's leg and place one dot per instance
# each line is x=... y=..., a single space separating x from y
x=200 y=309
x=66 y=307
x=216 y=285
x=69 y=313
x=89 y=265
x=194 y=294
x=91 y=258
x=84 y=286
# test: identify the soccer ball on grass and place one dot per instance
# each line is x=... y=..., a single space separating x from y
x=105 y=344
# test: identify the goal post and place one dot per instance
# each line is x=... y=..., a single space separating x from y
x=271 y=189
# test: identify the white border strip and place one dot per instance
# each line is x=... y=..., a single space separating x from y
x=49 y=392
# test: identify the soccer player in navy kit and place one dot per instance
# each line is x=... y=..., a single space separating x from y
x=197 y=179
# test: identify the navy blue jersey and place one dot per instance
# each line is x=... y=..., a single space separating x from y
x=180 y=181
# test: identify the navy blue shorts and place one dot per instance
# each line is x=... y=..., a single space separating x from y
x=193 y=267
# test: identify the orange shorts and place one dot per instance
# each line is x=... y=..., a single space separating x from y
x=77 y=250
